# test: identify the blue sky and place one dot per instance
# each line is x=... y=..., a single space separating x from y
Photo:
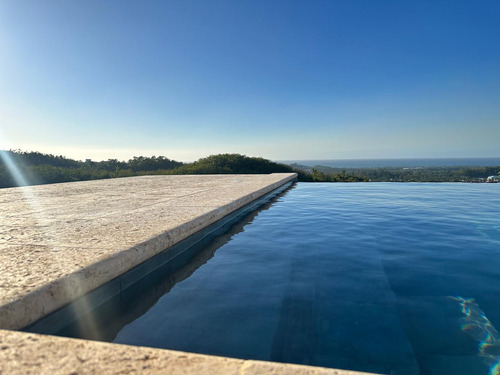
x=280 y=79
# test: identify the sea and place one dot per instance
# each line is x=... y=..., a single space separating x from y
x=380 y=163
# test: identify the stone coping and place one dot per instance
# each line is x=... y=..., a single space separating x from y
x=60 y=241
x=27 y=353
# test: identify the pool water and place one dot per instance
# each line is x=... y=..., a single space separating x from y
x=379 y=277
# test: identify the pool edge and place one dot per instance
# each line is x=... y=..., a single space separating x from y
x=57 y=293
x=30 y=353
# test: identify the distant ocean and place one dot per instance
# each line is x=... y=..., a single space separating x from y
x=378 y=163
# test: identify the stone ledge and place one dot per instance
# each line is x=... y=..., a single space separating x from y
x=27 y=353
x=60 y=241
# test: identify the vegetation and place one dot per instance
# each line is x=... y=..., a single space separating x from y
x=236 y=163
x=38 y=168
x=416 y=174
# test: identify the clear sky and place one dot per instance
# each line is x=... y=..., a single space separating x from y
x=288 y=79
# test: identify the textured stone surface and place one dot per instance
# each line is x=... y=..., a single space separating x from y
x=59 y=241
x=27 y=353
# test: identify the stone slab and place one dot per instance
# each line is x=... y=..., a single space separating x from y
x=27 y=353
x=60 y=241
x=57 y=242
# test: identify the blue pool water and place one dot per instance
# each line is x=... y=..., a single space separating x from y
x=379 y=277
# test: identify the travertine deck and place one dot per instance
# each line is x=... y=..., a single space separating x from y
x=26 y=353
x=57 y=242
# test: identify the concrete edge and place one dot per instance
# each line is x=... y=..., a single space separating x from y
x=29 y=353
x=50 y=297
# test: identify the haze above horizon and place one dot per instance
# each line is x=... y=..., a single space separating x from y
x=285 y=80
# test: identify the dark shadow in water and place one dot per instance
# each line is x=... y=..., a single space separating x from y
x=295 y=336
x=108 y=313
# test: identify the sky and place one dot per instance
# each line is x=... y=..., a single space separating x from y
x=311 y=79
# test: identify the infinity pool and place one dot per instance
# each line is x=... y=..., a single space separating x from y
x=380 y=277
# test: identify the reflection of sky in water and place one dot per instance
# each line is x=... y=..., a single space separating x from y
x=491 y=232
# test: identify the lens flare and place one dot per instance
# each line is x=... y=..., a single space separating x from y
x=34 y=205
x=13 y=169
x=476 y=324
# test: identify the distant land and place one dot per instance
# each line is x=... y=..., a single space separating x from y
x=406 y=172
x=381 y=163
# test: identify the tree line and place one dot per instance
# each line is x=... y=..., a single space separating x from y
x=28 y=168
x=39 y=168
